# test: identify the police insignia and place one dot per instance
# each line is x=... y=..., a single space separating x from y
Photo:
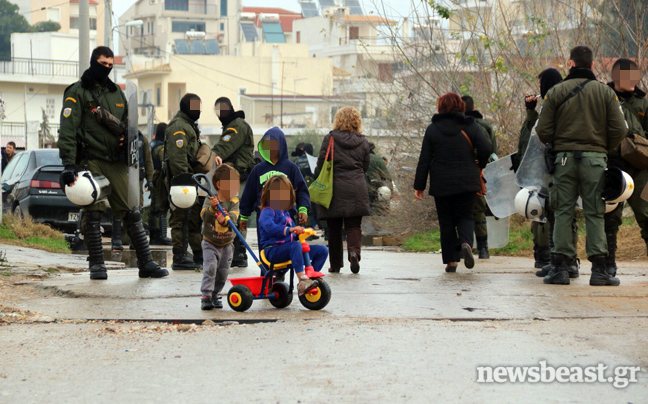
x=67 y=112
x=227 y=138
x=179 y=143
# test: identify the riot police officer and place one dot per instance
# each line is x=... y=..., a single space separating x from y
x=181 y=145
x=235 y=146
x=92 y=134
x=158 y=221
x=582 y=119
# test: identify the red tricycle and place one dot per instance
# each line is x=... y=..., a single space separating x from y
x=245 y=290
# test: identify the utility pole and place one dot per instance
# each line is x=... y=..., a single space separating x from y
x=84 y=35
x=107 y=22
x=283 y=65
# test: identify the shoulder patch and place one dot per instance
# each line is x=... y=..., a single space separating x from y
x=234 y=130
x=641 y=113
x=70 y=99
x=179 y=133
x=67 y=112
x=119 y=105
x=179 y=143
x=227 y=138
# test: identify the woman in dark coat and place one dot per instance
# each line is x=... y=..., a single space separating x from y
x=448 y=153
x=350 y=195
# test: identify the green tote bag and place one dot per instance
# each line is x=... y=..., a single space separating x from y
x=321 y=190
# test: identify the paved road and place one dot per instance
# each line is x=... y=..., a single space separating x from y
x=400 y=331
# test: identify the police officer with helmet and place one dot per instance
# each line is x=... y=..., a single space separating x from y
x=158 y=221
x=582 y=119
x=92 y=136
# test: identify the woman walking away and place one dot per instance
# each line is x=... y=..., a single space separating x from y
x=350 y=196
x=453 y=152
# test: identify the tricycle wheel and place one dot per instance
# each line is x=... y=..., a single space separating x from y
x=318 y=297
x=284 y=297
x=240 y=298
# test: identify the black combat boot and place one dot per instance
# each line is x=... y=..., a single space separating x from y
x=542 y=257
x=92 y=235
x=147 y=267
x=482 y=248
x=558 y=274
x=610 y=260
x=182 y=261
x=240 y=255
x=116 y=235
x=573 y=268
x=600 y=275
x=159 y=236
x=198 y=257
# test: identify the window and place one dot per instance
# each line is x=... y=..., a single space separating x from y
x=298 y=37
x=354 y=32
x=50 y=108
x=242 y=90
x=8 y=171
x=74 y=23
x=21 y=166
x=54 y=14
x=222 y=25
x=177 y=5
x=48 y=158
x=158 y=95
x=223 y=10
x=184 y=26
x=334 y=111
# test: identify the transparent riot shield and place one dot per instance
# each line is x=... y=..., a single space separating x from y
x=498 y=232
x=133 y=147
x=533 y=171
x=501 y=187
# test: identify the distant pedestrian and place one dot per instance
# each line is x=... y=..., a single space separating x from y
x=450 y=146
x=8 y=155
x=350 y=200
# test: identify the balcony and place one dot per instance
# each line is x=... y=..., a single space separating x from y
x=39 y=67
x=195 y=7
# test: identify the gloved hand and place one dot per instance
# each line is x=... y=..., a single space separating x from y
x=531 y=102
x=149 y=186
x=68 y=176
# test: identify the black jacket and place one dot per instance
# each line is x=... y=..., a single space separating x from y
x=447 y=158
x=350 y=163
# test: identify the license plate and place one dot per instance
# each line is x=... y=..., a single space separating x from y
x=73 y=216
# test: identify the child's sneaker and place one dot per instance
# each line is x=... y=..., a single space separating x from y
x=304 y=285
x=216 y=301
x=206 y=303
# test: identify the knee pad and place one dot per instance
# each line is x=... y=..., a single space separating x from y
x=134 y=216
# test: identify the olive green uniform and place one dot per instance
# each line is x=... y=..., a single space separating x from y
x=635 y=111
x=377 y=175
x=159 y=193
x=481 y=207
x=583 y=130
x=100 y=149
x=181 y=146
x=147 y=173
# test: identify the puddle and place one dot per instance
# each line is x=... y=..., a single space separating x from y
x=129 y=257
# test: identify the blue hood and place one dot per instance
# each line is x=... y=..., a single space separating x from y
x=274 y=134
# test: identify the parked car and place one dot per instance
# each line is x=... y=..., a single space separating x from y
x=31 y=188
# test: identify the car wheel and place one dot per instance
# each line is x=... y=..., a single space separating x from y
x=17 y=212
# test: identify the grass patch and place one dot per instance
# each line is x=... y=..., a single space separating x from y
x=26 y=233
x=423 y=242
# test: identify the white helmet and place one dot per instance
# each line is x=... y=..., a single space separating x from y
x=384 y=194
x=618 y=185
x=530 y=204
x=183 y=191
x=609 y=207
x=88 y=189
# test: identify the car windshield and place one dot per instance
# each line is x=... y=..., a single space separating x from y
x=48 y=158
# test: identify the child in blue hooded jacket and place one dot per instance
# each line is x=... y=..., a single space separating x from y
x=274 y=151
x=278 y=233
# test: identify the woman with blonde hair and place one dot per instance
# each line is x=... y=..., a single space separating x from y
x=350 y=200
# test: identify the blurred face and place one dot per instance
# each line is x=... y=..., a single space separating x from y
x=279 y=196
x=228 y=187
x=273 y=147
x=222 y=110
x=195 y=105
x=625 y=80
x=9 y=149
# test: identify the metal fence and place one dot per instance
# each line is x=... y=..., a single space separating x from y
x=40 y=67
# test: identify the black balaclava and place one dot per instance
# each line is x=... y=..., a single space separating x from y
x=185 y=103
x=160 y=130
x=548 y=79
x=98 y=71
x=225 y=116
x=308 y=148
